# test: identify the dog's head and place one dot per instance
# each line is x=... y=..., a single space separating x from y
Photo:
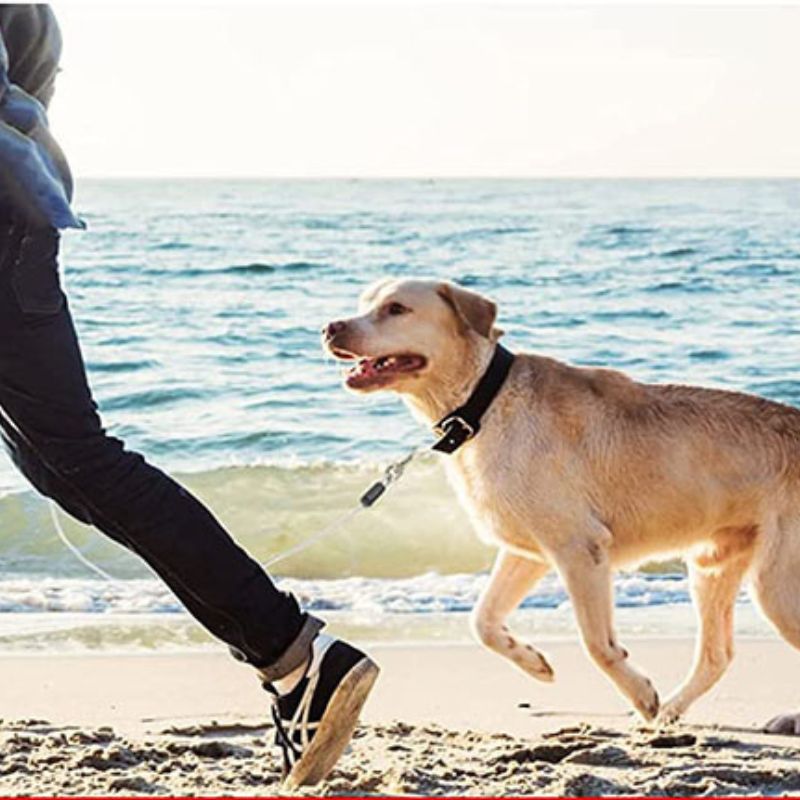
x=408 y=332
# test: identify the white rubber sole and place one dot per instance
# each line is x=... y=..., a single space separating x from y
x=336 y=726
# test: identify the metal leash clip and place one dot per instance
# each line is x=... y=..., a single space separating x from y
x=391 y=474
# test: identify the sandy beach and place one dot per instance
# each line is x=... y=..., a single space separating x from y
x=446 y=719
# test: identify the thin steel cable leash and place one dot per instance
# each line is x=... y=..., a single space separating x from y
x=74 y=548
x=391 y=475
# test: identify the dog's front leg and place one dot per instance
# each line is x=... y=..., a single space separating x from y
x=585 y=569
x=511 y=580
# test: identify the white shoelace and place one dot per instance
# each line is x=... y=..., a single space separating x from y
x=300 y=723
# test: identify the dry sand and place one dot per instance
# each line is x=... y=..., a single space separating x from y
x=443 y=720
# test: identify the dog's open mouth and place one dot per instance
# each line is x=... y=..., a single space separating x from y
x=379 y=371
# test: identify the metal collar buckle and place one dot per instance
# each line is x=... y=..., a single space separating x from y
x=445 y=427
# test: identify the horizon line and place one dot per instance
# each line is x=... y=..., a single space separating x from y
x=356 y=178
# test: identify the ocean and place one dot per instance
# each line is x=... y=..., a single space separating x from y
x=199 y=305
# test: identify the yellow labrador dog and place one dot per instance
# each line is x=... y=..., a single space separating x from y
x=585 y=470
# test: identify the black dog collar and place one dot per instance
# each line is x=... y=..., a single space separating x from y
x=462 y=424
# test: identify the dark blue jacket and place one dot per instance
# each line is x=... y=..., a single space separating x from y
x=35 y=181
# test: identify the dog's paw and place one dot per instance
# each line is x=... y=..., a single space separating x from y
x=647 y=702
x=784 y=725
x=533 y=663
x=671 y=711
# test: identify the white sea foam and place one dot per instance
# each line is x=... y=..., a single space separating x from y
x=423 y=594
x=79 y=615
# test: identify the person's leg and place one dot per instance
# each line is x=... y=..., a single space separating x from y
x=50 y=425
x=53 y=432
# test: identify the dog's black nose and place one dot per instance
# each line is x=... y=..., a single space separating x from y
x=332 y=328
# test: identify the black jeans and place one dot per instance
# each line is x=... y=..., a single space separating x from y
x=51 y=428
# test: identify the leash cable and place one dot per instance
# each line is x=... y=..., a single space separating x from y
x=72 y=547
x=391 y=475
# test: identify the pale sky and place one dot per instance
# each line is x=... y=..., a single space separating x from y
x=429 y=90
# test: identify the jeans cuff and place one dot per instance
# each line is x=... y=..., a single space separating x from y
x=296 y=653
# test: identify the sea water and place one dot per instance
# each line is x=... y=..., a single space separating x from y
x=199 y=306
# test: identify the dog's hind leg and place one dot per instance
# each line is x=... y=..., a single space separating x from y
x=511 y=580
x=584 y=566
x=776 y=586
x=715 y=583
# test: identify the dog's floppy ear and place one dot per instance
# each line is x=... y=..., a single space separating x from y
x=472 y=311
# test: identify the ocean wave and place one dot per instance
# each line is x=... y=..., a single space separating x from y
x=172 y=246
x=255 y=268
x=632 y=314
x=758 y=270
x=629 y=230
x=679 y=252
x=133 y=365
x=709 y=355
x=418 y=528
x=154 y=397
x=182 y=272
x=290 y=266
x=431 y=593
x=690 y=285
x=480 y=234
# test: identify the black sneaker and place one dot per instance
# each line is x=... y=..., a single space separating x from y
x=315 y=721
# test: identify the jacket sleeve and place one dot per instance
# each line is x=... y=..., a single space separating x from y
x=33 y=45
x=35 y=180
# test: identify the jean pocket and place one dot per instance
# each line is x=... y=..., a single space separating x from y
x=35 y=277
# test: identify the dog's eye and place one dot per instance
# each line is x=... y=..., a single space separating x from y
x=395 y=309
